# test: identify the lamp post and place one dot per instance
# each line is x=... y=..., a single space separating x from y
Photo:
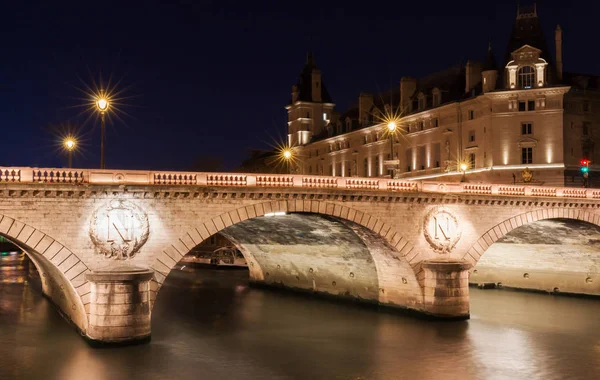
x=70 y=146
x=102 y=106
x=287 y=156
x=392 y=126
x=463 y=168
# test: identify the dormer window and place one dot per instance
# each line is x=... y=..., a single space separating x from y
x=526 y=77
x=436 y=97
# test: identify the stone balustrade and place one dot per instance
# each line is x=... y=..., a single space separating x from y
x=142 y=177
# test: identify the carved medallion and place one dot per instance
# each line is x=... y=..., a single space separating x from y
x=119 y=229
x=527 y=175
x=441 y=230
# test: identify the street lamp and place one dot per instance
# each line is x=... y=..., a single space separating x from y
x=102 y=106
x=463 y=168
x=70 y=144
x=287 y=156
x=392 y=126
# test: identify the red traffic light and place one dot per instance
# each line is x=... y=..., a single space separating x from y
x=584 y=162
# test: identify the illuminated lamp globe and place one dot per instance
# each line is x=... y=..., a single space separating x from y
x=102 y=104
x=392 y=126
x=287 y=154
x=463 y=167
x=70 y=144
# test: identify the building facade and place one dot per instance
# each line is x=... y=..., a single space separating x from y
x=525 y=120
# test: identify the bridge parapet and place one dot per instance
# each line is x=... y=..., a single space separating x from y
x=142 y=177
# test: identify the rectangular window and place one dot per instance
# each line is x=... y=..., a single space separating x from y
x=366 y=167
x=435 y=123
x=308 y=115
x=527 y=155
x=472 y=161
x=586 y=128
x=422 y=158
x=422 y=103
x=471 y=136
x=408 y=159
x=471 y=114
x=376 y=168
x=339 y=171
x=317 y=153
x=331 y=170
x=366 y=139
x=526 y=128
x=522 y=106
x=531 y=105
x=436 y=100
x=436 y=155
x=586 y=106
x=310 y=170
x=421 y=125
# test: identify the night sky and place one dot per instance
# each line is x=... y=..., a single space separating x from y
x=211 y=79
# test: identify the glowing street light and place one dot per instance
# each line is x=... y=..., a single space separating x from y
x=392 y=127
x=70 y=145
x=287 y=155
x=463 y=168
x=102 y=105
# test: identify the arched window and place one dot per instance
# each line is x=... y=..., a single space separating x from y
x=526 y=77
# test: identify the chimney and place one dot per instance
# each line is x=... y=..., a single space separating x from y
x=408 y=86
x=365 y=102
x=472 y=75
x=558 y=40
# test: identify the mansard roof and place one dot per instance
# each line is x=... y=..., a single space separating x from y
x=527 y=30
x=304 y=83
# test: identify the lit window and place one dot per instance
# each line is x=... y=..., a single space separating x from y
x=526 y=128
x=526 y=155
x=324 y=116
x=526 y=77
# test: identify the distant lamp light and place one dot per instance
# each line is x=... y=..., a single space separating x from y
x=392 y=126
x=287 y=154
x=463 y=167
x=70 y=144
x=102 y=104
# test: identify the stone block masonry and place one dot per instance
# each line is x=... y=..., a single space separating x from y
x=81 y=233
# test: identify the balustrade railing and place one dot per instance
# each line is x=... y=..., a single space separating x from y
x=139 y=177
x=58 y=176
x=175 y=179
x=10 y=175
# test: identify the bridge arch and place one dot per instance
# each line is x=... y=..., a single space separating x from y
x=492 y=235
x=61 y=270
x=396 y=280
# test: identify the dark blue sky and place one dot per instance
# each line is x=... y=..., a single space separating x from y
x=213 y=78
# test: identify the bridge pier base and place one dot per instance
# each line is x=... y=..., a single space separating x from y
x=446 y=290
x=120 y=306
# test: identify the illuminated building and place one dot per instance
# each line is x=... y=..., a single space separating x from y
x=498 y=119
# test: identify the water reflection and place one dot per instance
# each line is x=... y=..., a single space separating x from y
x=209 y=324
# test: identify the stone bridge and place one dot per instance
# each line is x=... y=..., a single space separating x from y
x=104 y=241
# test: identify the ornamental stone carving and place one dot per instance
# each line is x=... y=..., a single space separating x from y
x=119 y=229
x=442 y=230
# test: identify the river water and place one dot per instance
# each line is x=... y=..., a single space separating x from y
x=208 y=324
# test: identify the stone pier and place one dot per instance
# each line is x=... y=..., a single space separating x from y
x=120 y=305
x=446 y=290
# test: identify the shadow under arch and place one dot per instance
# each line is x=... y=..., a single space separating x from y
x=59 y=268
x=377 y=246
x=542 y=250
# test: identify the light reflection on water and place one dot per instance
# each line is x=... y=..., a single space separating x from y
x=209 y=324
